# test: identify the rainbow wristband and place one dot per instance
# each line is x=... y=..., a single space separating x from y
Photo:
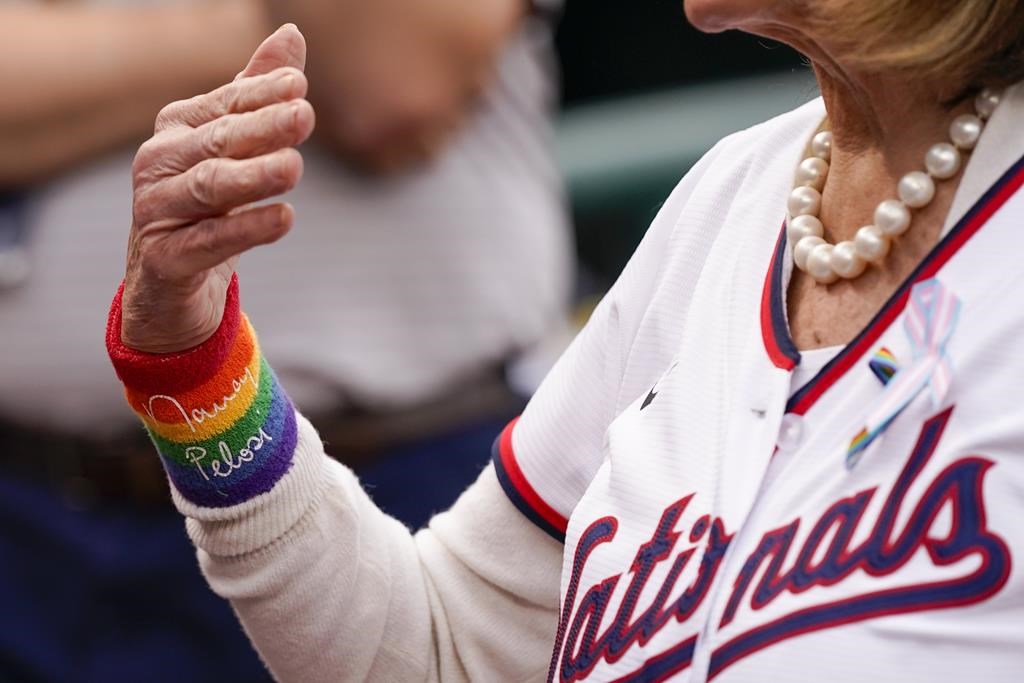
x=223 y=426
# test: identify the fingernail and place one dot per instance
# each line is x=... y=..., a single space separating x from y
x=288 y=117
x=279 y=167
x=285 y=86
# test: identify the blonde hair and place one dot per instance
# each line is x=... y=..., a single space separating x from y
x=969 y=43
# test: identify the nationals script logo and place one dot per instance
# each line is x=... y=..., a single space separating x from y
x=825 y=558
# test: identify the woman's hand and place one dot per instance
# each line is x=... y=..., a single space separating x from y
x=210 y=157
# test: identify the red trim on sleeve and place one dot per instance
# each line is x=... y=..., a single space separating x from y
x=522 y=486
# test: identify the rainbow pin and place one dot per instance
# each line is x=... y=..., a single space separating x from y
x=884 y=365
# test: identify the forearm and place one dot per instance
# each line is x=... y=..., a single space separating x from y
x=393 y=79
x=347 y=594
x=81 y=79
x=328 y=587
x=34 y=151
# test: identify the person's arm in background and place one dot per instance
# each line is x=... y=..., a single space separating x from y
x=80 y=79
x=392 y=80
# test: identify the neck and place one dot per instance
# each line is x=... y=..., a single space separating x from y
x=884 y=114
x=882 y=125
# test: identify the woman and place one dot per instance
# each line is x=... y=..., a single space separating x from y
x=743 y=469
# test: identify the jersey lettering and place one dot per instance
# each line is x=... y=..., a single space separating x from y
x=824 y=558
x=584 y=648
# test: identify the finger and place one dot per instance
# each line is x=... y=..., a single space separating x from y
x=249 y=94
x=216 y=186
x=285 y=47
x=240 y=136
x=215 y=240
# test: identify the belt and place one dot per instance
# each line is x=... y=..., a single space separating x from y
x=87 y=472
x=357 y=437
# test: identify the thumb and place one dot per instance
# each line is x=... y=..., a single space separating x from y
x=285 y=47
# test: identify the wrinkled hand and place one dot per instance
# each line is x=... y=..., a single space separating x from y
x=210 y=157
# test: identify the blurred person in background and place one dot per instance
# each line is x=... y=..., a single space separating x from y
x=433 y=248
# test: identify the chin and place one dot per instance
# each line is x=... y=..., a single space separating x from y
x=714 y=16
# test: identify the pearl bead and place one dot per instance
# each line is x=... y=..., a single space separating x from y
x=892 y=217
x=805 y=233
x=812 y=172
x=821 y=145
x=986 y=102
x=819 y=264
x=803 y=248
x=965 y=131
x=871 y=244
x=846 y=262
x=803 y=226
x=804 y=201
x=942 y=161
x=916 y=189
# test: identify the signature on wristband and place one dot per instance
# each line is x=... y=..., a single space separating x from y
x=201 y=414
x=196 y=454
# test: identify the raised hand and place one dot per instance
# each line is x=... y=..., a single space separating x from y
x=209 y=158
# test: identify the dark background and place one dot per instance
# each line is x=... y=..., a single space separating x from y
x=621 y=47
x=610 y=49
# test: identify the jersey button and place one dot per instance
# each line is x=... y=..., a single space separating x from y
x=791 y=432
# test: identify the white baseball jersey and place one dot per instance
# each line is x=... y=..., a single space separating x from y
x=721 y=523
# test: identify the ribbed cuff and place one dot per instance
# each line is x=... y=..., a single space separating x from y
x=223 y=426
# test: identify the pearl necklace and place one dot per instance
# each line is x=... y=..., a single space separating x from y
x=825 y=262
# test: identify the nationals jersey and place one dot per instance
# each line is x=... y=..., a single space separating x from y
x=721 y=523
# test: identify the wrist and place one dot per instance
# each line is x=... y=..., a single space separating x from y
x=211 y=40
x=223 y=426
x=156 y=323
x=146 y=369
x=240 y=25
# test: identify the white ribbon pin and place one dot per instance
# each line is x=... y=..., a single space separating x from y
x=931 y=317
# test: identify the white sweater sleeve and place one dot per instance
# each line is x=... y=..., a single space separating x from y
x=329 y=588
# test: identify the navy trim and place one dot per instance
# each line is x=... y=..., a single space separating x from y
x=517 y=499
x=947 y=247
x=778 y=302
